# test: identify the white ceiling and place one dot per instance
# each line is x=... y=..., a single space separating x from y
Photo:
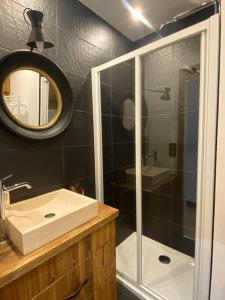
x=155 y=11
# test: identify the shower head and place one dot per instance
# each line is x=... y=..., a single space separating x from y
x=187 y=18
x=166 y=94
x=190 y=69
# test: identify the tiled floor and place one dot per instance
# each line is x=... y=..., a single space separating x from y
x=124 y=294
x=172 y=281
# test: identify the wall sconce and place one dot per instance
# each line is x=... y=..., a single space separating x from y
x=36 y=38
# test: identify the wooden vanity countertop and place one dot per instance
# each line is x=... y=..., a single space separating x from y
x=13 y=264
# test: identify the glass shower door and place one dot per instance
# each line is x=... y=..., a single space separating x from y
x=159 y=165
x=118 y=145
x=170 y=107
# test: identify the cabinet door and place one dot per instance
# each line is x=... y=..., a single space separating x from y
x=40 y=278
x=76 y=285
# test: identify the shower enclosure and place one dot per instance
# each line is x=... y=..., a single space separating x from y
x=155 y=112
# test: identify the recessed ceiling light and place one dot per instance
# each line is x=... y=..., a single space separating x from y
x=137 y=14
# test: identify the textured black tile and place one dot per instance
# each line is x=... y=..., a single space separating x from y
x=106 y=129
x=43 y=168
x=147 y=39
x=81 y=88
x=47 y=7
x=124 y=294
x=84 y=100
x=79 y=163
x=120 y=44
x=106 y=99
x=80 y=130
x=14 y=30
x=74 y=16
x=10 y=140
x=123 y=77
x=106 y=76
x=123 y=155
x=4 y=41
x=77 y=18
x=3 y=52
x=77 y=55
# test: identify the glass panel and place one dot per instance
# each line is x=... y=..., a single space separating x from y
x=170 y=99
x=118 y=128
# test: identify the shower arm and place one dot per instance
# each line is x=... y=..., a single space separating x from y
x=156 y=91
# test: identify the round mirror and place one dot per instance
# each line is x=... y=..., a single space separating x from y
x=32 y=98
x=36 y=99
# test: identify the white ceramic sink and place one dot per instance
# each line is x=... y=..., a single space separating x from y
x=151 y=176
x=36 y=221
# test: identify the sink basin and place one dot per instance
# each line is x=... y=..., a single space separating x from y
x=36 y=221
x=151 y=176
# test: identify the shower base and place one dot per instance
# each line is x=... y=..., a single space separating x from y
x=172 y=281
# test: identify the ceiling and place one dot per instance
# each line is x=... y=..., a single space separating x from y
x=155 y=11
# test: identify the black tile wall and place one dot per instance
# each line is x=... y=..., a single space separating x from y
x=118 y=145
x=82 y=40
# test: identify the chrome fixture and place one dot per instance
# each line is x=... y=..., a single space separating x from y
x=165 y=93
x=174 y=25
x=5 y=201
x=190 y=69
x=37 y=38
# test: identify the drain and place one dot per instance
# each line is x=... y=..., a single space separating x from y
x=50 y=215
x=164 y=259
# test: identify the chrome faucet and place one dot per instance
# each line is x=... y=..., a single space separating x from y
x=5 y=201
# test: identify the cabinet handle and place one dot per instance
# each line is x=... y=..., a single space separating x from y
x=76 y=292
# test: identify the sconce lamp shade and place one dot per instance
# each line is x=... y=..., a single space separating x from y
x=37 y=38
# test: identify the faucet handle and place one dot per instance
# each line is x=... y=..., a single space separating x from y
x=5 y=178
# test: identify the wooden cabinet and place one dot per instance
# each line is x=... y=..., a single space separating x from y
x=85 y=270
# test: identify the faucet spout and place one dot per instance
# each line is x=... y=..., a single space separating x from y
x=5 y=202
x=17 y=186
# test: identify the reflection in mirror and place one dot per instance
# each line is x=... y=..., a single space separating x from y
x=32 y=98
x=128 y=114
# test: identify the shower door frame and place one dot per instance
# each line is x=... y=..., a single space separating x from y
x=209 y=66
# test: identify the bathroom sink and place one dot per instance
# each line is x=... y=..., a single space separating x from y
x=36 y=221
x=151 y=176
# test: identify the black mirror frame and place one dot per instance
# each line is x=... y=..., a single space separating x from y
x=26 y=58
